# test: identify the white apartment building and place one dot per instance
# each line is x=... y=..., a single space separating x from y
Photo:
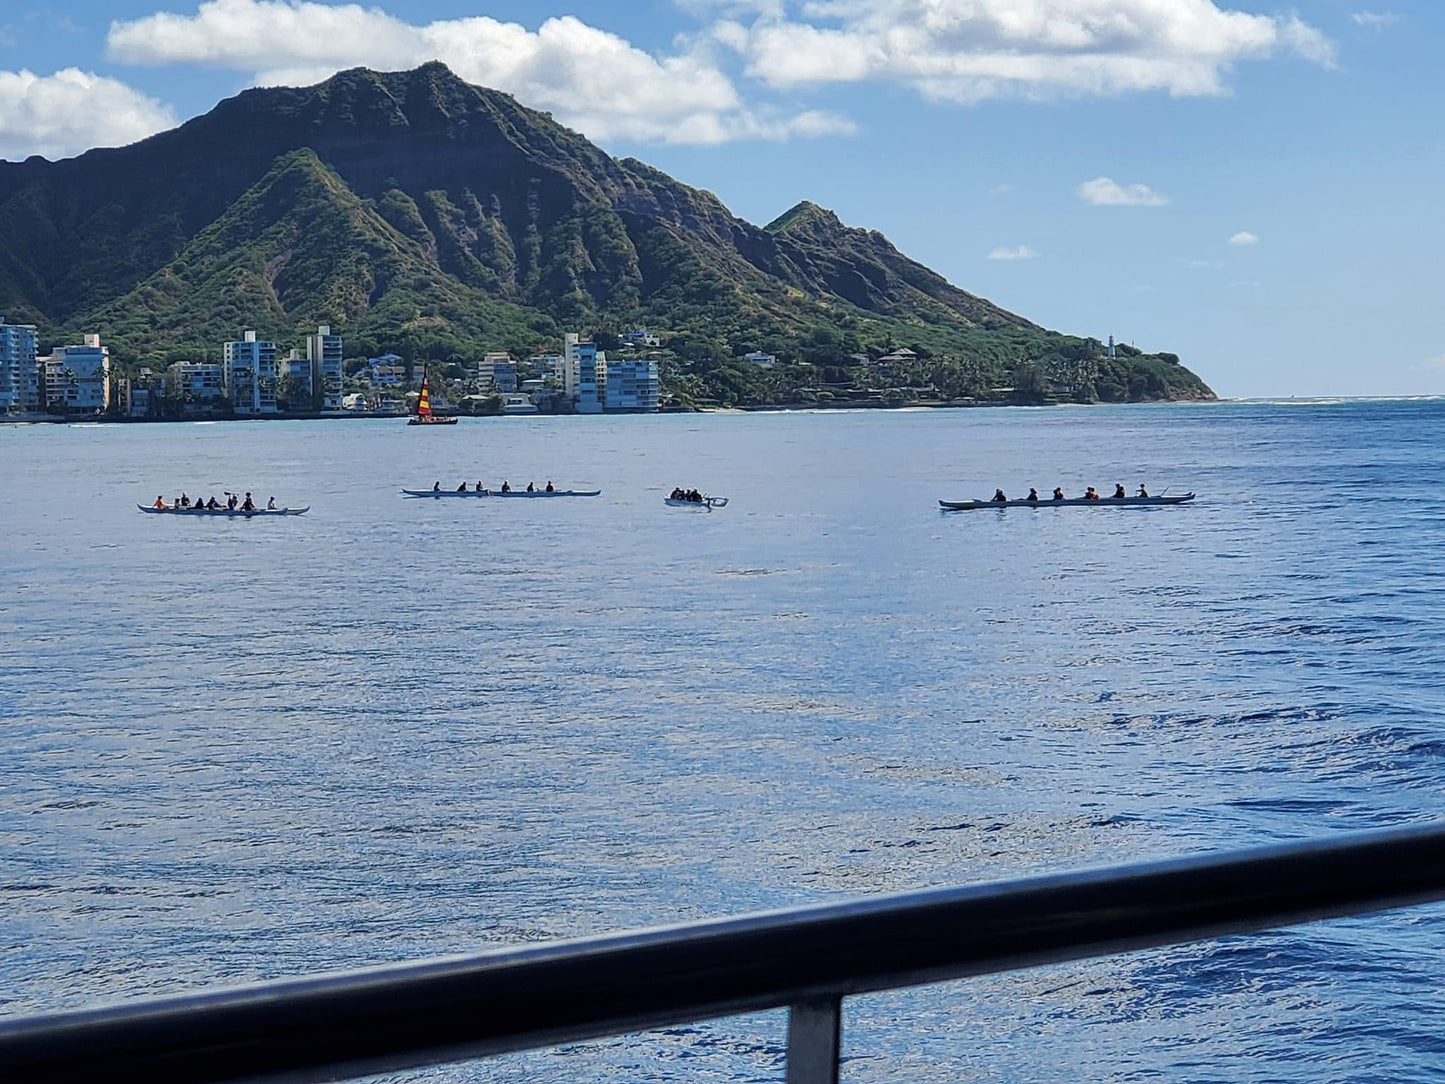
x=298 y=369
x=502 y=371
x=76 y=378
x=585 y=375
x=760 y=359
x=633 y=385
x=17 y=364
x=250 y=374
x=324 y=351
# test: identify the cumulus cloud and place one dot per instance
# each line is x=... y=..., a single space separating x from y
x=72 y=111
x=1243 y=238
x=967 y=51
x=1106 y=192
x=1021 y=252
x=592 y=80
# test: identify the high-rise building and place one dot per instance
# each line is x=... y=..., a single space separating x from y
x=17 y=364
x=502 y=370
x=76 y=378
x=250 y=374
x=632 y=384
x=324 y=352
x=198 y=380
x=585 y=374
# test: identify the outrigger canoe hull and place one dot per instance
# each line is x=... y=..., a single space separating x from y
x=707 y=504
x=223 y=511
x=1071 y=502
x=498 y=493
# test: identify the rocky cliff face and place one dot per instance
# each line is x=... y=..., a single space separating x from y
x=414 y=209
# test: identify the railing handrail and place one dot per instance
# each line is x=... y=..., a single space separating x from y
x=435 y=1011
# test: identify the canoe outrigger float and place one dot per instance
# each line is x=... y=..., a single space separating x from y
x=1044 y=502
x=153 y=510
x=707 y=504
x=499 y=493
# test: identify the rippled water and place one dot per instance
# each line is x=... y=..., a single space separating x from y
x=390 y=729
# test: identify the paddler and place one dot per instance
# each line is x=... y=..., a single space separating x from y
x=271 y=504
x=1119 y=493
x=1091 y=494
x=1033 y=494
x=1058 y=493
x=549 y=488
x=1142 y=491
x=998 y=497
x=160 y=502
x=247 y=505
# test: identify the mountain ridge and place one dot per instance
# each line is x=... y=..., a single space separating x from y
x=423 y=214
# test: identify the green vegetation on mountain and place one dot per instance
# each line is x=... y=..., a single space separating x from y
x=421 y=215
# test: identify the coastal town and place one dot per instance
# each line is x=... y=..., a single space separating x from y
x=256 y=378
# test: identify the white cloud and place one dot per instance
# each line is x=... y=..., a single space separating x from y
x=1105 y=192
x=1243 y=238
x=966 y=51
x=71 y=111
x=592 y=80
x=1022 y=252
x=1375 y=20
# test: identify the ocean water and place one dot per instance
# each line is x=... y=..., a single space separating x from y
x=396 y=728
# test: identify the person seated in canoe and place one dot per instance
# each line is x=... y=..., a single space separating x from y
x=1091 y=494
x=1033 y=494
x=248 y=505
x=160 y=502
x=531 y=488
x=549 y=488
x=1058 y=493
x=212 y=504
x=270 y=504
x=1119 y=493
x=1142 y=491
x=676 y=494
x=998 y=497
x=506 y=486
x=230 y=502
x=695 y=497
x=479 y=486
x=436 y=487
x=185 y=501
x=462 y=488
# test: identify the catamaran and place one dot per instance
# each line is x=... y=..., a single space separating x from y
x=424 y=416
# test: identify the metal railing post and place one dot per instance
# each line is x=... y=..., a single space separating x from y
x=814 y=1032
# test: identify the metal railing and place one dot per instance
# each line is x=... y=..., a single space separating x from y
x=807 y=959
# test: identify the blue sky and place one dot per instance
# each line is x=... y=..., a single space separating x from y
x=1252 y=186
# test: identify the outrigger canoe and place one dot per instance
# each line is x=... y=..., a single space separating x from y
x=223 y=511
x=1101 y=502
x=499 y=493
x=707 y=504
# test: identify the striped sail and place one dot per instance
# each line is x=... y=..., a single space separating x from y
x=423 y=406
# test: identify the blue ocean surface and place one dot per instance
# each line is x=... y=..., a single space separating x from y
x=239 y=750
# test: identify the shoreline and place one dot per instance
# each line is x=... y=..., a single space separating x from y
x=345 y=415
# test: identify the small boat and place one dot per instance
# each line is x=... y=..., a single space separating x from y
x=707 y=504
x=499 y=493
x=172 y=511
x=1044 y=502
x=424 y=416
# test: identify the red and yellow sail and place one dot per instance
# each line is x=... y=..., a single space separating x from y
x=423 y=405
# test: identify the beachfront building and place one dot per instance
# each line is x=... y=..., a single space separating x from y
x=76 y=379
x=761 y=359
x=294 y=374
x=549 y=367
x=199 y=381
x=585 y=374
x=249 y=367
x=17 y=364
x=387 y=371
x=324 y=351
x=501 y=370
x=632 y=385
